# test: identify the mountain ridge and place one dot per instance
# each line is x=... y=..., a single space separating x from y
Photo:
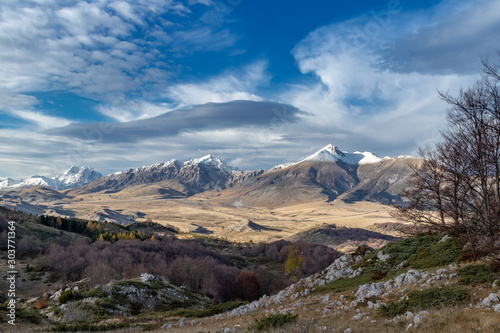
x=76 y=176
x=327 y=174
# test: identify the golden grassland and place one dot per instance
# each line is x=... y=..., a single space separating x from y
x=210 y=214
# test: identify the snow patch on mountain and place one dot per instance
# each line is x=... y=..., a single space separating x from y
x=76 y=177
x=6 y=182
x=368 y=158
x=212 y=162
x=281 y=166
x=332 y=153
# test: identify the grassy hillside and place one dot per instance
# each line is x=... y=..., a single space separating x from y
x=68 y=282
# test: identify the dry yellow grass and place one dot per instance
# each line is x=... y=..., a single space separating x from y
x=210 y=213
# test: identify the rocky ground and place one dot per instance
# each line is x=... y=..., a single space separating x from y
x=370 y=291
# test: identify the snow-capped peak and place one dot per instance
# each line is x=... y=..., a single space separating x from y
x=76 y=177
x=174 y=163
x=368 y=158
x=329 y=153
x=210 y=161
x=332 y=153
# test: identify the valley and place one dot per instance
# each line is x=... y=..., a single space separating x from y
x=206 y=196
x=213 y=216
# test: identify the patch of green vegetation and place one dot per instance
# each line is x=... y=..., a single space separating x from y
x=436 y=255
x=210 y=311
x=369 y=275
x=430 y=298
x=135 y=283
x=27 y=315
x=362 y=250
x=157 y=284
x=101 y=309
x=69 y=295
x=86 y=325
x=476 y=274
x=403 y=249
x=344 y=284
x=273 y=321
x=52 y=278
x=96 y=292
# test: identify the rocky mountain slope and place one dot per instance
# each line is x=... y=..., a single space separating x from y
x=417 y=284
x=326 y=175
x=409 y=285
x=194 y=176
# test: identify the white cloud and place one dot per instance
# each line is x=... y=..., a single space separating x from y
x=11 y=101
x=361 y=94
x=43 y=121
x=129 y=110
x=90 y=47
x=229 y=86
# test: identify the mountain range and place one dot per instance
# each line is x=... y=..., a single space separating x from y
x=71 y=178
x=328 y=174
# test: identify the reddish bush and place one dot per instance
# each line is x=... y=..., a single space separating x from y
x=247 y=286
x=29 y=246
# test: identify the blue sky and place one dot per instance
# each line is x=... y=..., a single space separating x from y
x=120 y=84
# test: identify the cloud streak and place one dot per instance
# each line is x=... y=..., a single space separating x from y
x=211 y=116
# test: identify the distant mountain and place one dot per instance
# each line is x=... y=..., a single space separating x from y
x=194 y=176
x=326 y=175
x=333 y=154
x=6 y=182
x=74 y=177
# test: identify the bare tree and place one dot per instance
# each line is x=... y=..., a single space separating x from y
x=458 y=184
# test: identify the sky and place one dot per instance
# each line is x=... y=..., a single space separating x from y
x=121 y=84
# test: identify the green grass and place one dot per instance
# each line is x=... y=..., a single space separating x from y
x=273 y=321
x=96 y=292
x=26 y=315
x=369 y=275
x=403 y=249
x=101 y=309
x=30 y=315
x=210 y=311
x=86 y=325
x=436 y=255
x=126 y=283
x=426 y=299
x=344 y=284
x=475 y=275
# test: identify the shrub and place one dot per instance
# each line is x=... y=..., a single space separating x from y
x=247 y=286
x=69 y=295
x=96 y=292
x=437 y=254
x=41 y=303
x=29 y=315
x=270 y=321
x=475 y=274
x=430 y=298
